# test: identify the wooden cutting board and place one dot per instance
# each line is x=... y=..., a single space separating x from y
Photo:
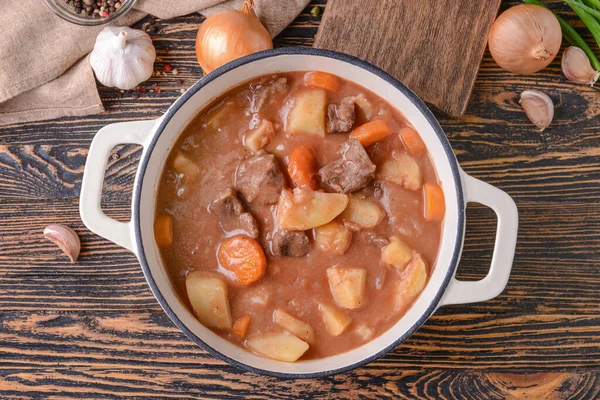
x=433 y=46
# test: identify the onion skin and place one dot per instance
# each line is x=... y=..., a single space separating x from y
x=228 y=35
x=525 y=39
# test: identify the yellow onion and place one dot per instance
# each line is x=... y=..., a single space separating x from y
x=525 y=38
x=228 y=35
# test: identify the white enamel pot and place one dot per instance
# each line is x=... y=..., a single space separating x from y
x=158 y=137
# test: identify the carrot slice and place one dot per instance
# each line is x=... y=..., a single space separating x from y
x=371 y=132
x=244 y=257
x=163 y=231
x=435 y=206
x=412 y=141
x=240 y=326
x=322 y=80
x=302 y=167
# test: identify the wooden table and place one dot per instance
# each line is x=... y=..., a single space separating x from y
x=93 y=329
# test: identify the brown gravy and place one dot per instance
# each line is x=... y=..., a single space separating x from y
x=214 y=141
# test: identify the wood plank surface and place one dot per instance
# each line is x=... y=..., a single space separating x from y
x=433 y=46
x=93 y=329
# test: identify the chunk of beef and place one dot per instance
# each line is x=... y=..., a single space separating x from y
x=263 y=88
x=259 y=179
x=341 y=118
x=351 y=172
x=232 y=215
x=290 y=244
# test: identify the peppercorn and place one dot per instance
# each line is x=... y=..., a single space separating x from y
x=95 y=8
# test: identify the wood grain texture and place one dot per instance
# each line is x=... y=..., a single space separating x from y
x=433 y=46
x=34 y=273
x=93 y=329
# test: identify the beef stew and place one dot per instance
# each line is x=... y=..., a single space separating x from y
x=299 y=216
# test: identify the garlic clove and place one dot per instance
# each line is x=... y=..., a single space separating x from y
x=65 y=238
x=538 y=107
x=577 y=67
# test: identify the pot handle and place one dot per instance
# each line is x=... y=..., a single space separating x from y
x=462 y=292
x=106 y=139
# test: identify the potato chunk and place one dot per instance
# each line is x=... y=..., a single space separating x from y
x=208 y=292
x=335 y=320
x=363 y=331
x=260 y=136
x=305 y=209
x=412 y=283
x=277 y=346
x=215 y=118
x=307 y=116
x=347 y=286
x=361 y=214
x=333 y=238
x=183 y=164
x=293 y=325
x=402 y=170
x=396 y=253
x=364 y=105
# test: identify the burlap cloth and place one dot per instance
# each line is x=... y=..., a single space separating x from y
x=44 y=68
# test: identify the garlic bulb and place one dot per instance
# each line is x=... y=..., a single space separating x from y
x=123 y=57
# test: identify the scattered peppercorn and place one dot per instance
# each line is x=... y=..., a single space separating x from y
x=168 y=68
x=95 y=8
x=315 y=11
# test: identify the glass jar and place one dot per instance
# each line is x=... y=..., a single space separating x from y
x=66 y=12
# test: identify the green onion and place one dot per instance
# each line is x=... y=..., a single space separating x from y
x=572 y=36
x=585 y=14
x=586 y=9
x=593 y=3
